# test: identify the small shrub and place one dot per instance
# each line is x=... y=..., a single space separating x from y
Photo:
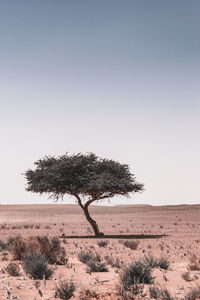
x=154 y=292
x=163 y=263
x=37 y=226
x=133 y=245
x=5 y=256
x=194 y=294
x=13 y=269
x=87 y=294
x=28 y=226
x=3 y=226
x=160 y=294
x=137 y=272
x=36 y=266
x=84 y=257
x=48 y=227
x=4 y=246
x=194 y=263
x=186 y=276
x=95 y=266
x=103 y=244
x=113 y=263
x=132 y=291
x=93 y=262
x=17 y=247
x=65 y=290
x=165 y=295
x=153 y=262
x=52 y=250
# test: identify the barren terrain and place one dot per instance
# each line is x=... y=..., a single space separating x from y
x=169 y=232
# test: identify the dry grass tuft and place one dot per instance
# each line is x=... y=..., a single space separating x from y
x=194 y=294
x=87 y=294
x=50 y=248
x=18 y=247
x=194 y=262
x=133 y=245
x=65 y=290
x=13 y=269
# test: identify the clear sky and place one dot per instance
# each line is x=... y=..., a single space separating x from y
x=117 y=78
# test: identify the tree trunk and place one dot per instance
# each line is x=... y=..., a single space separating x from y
x=92 y=222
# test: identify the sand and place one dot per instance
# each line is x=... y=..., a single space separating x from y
x=172 y=232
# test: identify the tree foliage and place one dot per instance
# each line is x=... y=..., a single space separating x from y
x=87 y=177
x=80 y=174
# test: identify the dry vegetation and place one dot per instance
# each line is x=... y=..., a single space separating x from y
x=38 y=261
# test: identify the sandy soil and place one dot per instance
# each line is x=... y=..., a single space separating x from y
x=177 y=226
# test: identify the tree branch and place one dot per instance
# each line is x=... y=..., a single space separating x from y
x=79 y=200
x=90 y=201
x=106 y=196
x=96 y=198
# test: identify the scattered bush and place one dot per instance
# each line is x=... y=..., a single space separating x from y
x=194 y=294
x=84 y=257
x=103 y=244
x=4 y=246
x=28 y=226
x=87 y=295
x=5 y=256
x=65 y=290
x=113 y=263
x=3 y=226
x=37 y=226
x=93 y=262
x=154 y=292
x=194 y=263
x=50 y=248
x=16 y=227
x=165 y=295
x=132 y=291
x=133 y=245
x=36 y=266
x=17 y=247
x=153 y=262
x=48 y=227
x=13 y=269
x=137 y=272
x=186 y=276
x=95 y=266
x=163 y=263
x=157 y=293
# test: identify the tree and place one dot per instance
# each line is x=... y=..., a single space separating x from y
x=86 y=177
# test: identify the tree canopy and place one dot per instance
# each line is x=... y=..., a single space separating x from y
x=86 y=177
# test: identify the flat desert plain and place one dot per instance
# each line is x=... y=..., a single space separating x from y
x=168 y=234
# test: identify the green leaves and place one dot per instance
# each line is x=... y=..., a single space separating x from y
x=80 y=174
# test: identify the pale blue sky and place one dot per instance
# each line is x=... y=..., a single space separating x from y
x=118 y=78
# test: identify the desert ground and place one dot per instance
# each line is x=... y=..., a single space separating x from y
x=132 y=233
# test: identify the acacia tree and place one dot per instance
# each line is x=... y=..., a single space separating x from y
x=86 y=177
